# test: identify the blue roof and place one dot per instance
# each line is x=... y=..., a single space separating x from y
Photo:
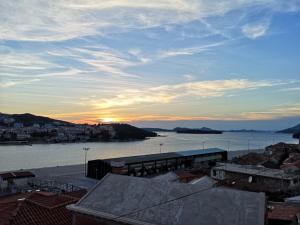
x=200 y=151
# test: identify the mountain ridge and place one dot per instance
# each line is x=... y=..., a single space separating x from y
x=291 y=130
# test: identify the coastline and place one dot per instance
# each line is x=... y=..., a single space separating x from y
x=45 y=155
x=17 y=143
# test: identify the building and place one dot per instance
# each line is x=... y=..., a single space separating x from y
x=36 y=125
x=271 y=179
x=144 y=165
x=118 y=199
x=18 y=125
x=14 y=180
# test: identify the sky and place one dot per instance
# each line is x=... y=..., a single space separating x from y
x=163 y=63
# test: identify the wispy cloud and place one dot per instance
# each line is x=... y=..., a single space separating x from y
x=189 y=77
x=168 y=93
x=256 y=30
x=188 y=51
x=296 y=89
x=106 y=60
x=62 y=20
x=275 y=112
x=12 y=83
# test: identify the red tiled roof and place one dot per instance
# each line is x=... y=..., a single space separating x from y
x=5 y=176
x=22 y=174
x=283 y=212
x=49 y=201
x=16 y=175
x=293 y=164
x=76 y=194
x=185 y=174
x=33 y=214
x=8 y=206
x=38 y=208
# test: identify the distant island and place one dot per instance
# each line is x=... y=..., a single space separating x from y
x=203 y=130
x=28 y=128
x=184 y=130
x=158 y=130
x=247 y=131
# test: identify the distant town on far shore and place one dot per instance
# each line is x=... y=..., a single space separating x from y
x=28 y=129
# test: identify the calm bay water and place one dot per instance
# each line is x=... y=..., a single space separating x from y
x=44 y=155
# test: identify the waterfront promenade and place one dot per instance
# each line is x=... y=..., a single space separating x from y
x=73 y=174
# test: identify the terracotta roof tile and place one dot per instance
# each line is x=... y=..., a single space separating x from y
x=76 y=194
x=5 y=176
x=283 y=212
x=22 y=174
x=49 y=201
x=37 y=208
x=8 y=206
x=16 y=175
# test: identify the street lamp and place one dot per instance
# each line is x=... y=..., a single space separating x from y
x=160 y=145
x=85 y=154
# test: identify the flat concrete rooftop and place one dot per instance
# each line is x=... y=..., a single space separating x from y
x=256 y=170
x=163 y=156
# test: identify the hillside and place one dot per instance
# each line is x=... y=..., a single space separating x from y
x=28 y=119
x=28 y=128
x=127 y=132
x=291 y=130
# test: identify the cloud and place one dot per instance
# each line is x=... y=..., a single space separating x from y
x=20 y=68
x=23 y=61
x=291 y=89
x=99 y=59
x=189 y=77
x=12 y=83
x=169 y=93
x=59 y=20
x=276 y=112
x=188 y=51
x=254 y=31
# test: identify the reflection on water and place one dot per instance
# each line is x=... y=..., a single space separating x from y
x=42 y=155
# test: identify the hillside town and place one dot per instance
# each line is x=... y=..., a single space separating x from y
x=33 y=130
x=184 y=187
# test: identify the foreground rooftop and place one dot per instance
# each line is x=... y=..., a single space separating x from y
x=134 y=200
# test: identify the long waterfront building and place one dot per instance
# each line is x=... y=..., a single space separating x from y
x=143 y=165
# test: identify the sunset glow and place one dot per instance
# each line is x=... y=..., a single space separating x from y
x=109 y=120
x=156 y=61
